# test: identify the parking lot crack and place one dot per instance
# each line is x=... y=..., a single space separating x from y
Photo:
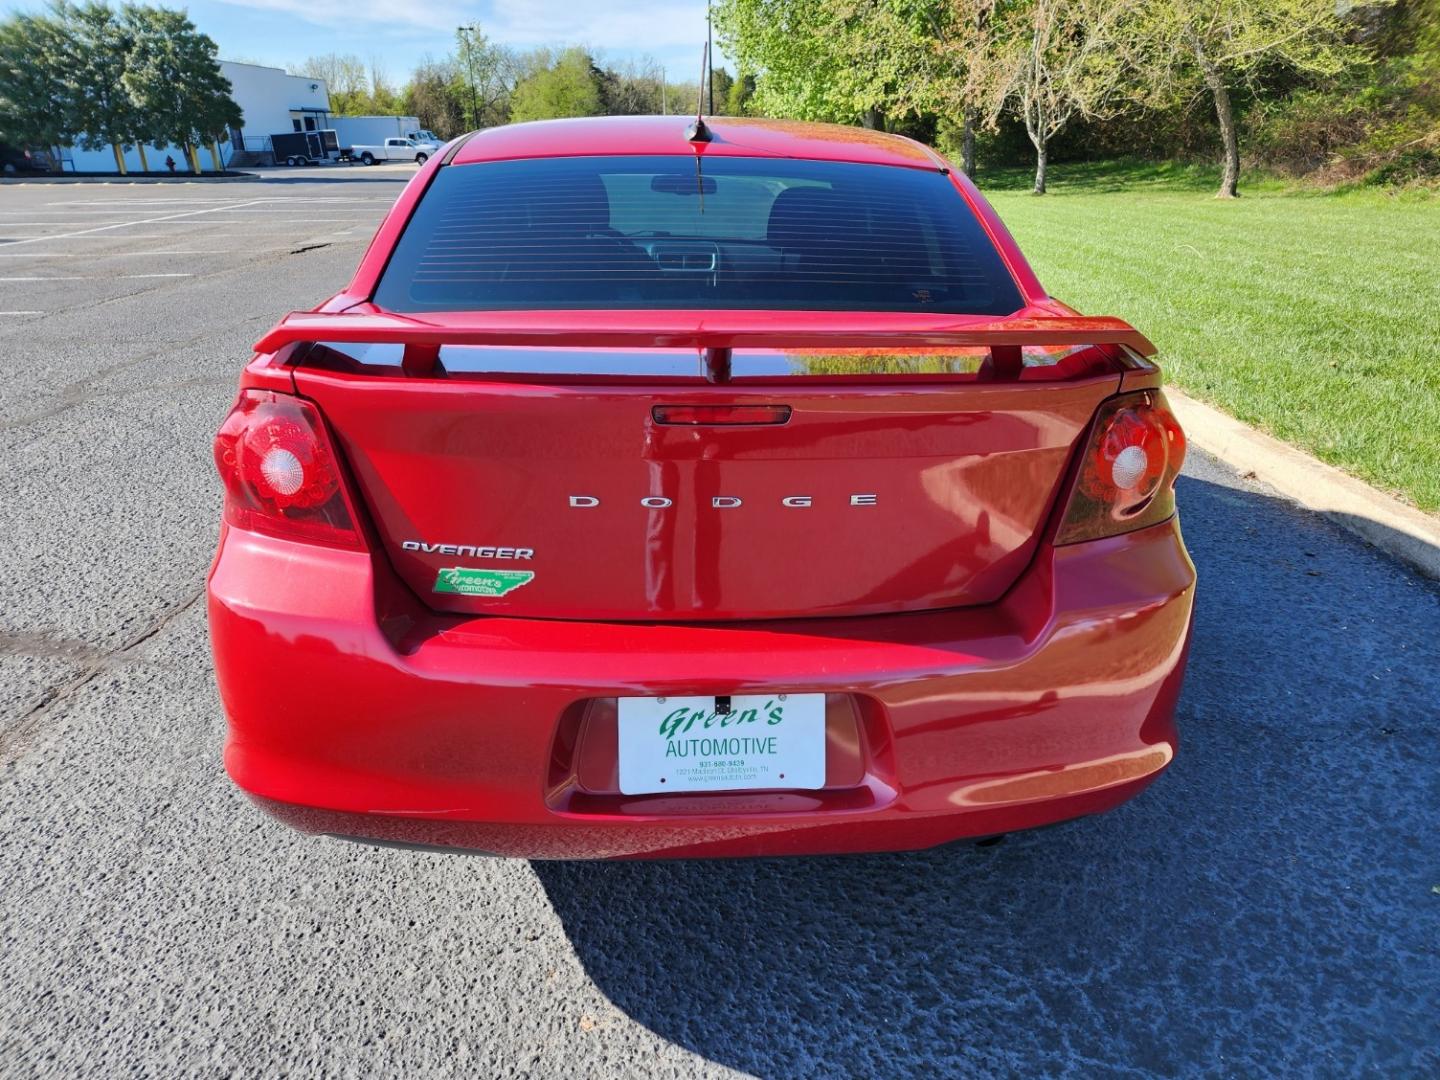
x=17 y=736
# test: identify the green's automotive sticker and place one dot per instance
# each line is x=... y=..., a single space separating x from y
x=467 y=581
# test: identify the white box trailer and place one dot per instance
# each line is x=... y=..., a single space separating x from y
x=373 y=130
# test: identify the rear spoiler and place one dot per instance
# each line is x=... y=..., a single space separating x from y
x=715 y=333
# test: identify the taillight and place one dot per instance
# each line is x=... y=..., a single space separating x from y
x=281 y=474
x=1127 y=473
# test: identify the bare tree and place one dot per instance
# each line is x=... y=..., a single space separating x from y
x=383 y=96
x=633 y=87
x=346 y=79
x=1051 y=61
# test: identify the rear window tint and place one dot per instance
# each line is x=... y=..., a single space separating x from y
x=649 y=232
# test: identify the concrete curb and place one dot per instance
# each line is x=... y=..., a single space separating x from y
x=1401 y=531
x=116 y=178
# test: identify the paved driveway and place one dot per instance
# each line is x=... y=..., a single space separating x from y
x=1269 y=907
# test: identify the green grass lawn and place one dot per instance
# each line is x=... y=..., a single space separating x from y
x=1313 y=316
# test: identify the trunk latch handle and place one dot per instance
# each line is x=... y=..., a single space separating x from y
x=719 y=415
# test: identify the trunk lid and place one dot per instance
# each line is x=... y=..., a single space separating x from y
x=538 y=481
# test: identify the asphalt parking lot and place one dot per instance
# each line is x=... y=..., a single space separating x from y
x=1270 y=907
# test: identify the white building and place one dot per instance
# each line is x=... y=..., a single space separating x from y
x=270 y=100
x=273 y=101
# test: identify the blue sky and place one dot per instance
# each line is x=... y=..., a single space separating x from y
x=402 y=31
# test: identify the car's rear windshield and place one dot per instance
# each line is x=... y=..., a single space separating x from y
x=658 y=232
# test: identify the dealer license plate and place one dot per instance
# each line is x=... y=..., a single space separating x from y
x=691 y=744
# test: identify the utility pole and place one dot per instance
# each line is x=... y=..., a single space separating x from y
x=470 y=71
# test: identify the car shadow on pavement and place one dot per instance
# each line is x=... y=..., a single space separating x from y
x=1268 y=906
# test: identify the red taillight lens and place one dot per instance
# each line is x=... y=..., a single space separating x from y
x=280 y=471
x=1127 y=474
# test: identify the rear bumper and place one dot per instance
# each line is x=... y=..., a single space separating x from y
x=354 y=710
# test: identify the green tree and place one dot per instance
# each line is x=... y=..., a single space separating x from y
x=487 y=74
x=174 y=78
x=737 y=100
x=568 y=87
x=384 y=98
x=434 y=95
x=868 y=60
x=802 y=57
x=1400 y=97
x=718 y=90
x=147 y=30
x=1227 y=44
x=679 y=98
x=961 y=35
x=33 y=96
x=97 y=45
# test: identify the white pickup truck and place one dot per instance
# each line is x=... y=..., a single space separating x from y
x=394 y=150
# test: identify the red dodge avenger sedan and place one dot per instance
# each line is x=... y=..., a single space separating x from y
x=663 y=488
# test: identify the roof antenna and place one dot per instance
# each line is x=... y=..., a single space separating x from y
x=698 y=132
